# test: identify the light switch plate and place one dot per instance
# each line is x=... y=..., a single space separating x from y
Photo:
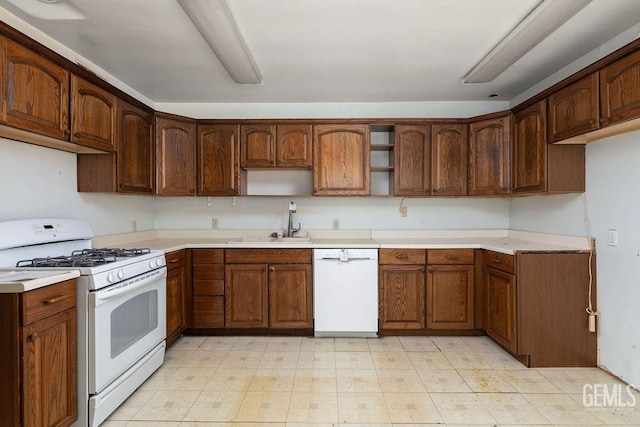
x=612 y=237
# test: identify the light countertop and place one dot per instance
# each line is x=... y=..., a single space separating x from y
x=17 y=281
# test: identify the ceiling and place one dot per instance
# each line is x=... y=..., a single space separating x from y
x=328 y=50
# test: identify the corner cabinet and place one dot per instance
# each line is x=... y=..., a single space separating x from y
x=490 y=157
x=412 y=160
x=218 y=171
x=39 y=358
x=341 y=160
x=175 y=156
x=449 y=159
x=35 y=92
x=574 y=110
x=135 y=158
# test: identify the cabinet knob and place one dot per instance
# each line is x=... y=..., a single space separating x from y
x=505 y=189
x=435 y=190
x=193 y=190
x=33 y=336
x=602 y=120
x=272 y=269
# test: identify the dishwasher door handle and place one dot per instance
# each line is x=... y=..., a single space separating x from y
x=345 y=260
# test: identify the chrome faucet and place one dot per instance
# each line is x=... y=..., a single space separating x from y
x=290 y=229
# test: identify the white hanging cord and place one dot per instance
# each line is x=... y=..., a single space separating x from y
x=587 y=227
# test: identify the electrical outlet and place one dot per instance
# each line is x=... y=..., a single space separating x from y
x=214 y=223
x=403 y=211
x=336 y=224
x=612 y=237
x=134 y=225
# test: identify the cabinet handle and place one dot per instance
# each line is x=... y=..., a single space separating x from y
x=602 y=120
x=505 y=189
x=496 y=260
x=435 y=190
x=77 y=134
x=66 y=132
x=452 y=257
x=272 y=269
x=53 y=300
x=33 y=336
x=402 y=256
x=192 y=191
x=173 y=261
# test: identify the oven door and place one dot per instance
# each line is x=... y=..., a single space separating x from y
x=126 y=321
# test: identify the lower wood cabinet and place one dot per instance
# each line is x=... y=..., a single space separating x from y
x=246 y=296
x=38 y=358
x=290 y=296
x=501 y=315
x=176 y=295
x=207 y=303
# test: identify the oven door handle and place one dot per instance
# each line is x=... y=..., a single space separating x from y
x=100 y=297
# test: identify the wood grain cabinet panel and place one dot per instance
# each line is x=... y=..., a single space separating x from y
x=175 y=157
x=574 y=109
x=450 y=296
x=207 y=289
x=136 y=160
x=620 y=90
x=449 y=159
x=257 y=146
x=501 y=297
x=293 y=146
x=246 y=296
x=490 y=157
x=278 y=145
x=412 y=157
x=290 y=296
x=35 y=92
x=402 y=297
x=93 y=115
x=218 y=160
x=530 y=149
x=341 y=160
x=176 y=295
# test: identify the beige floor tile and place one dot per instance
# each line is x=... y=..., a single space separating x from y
x=511 y=408
x=357 y=381
x=530 y=381
x=206 y=424
x=486 y=381
x=351 y=344
x=391 y=360
x=318 y=344
x=415 y=408
x=205 y=359
x=451 y=344
x=417 y=344
x=279 y=379
x=278 y=359
x=443 y=381
x=461 y=408
x=190 y=379
x=572 y=380
x=362 y=408
x=354 y=360
x=561 y=409
x=284 y=344
x=313 y=407
x=429 y=360
x=262 y=406
x=242 y=359
x=187 y=343
x=622 y=408
x=218 y=343
x=250 y=344
x=400 y=381
x=114 y=423
x=152 y=424
x=232 y=379
x=160 y=414
x=384 y=344
x=318 y=380
x=317 y=359
x=502 y=360
x=482 y=344
x=176 y=358
x=214 y=405
x=467 y=359
x=125 y=412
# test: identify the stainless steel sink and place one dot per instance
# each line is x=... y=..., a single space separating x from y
x=263 y=240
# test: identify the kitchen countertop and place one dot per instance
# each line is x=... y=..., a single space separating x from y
x=18 y=281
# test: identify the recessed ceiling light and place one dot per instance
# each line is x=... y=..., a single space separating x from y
x=50 y=9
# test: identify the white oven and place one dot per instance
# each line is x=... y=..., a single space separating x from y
x=126 y=321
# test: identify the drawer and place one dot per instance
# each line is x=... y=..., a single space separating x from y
x=450 y=256
x=207 y=256
x=175 y=259
x=402 y=256
x=268 y=256
x=208 y=280
x=44 y=302
x=208 y=312
x=208 y=272
x=499 y=261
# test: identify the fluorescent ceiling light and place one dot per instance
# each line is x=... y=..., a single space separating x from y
x=215 y=22
x=50 y=9
x=543 y=20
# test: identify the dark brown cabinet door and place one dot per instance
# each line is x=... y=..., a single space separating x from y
x=402 y=297
x=620 y=90
x=490 y=157
x=293 y=146
x=176 y=303
x=246 y=296
x=135 y=159
x=49 y=372
x=450 y=297
x=449 y=159
x=290 y=296
x=341 y=160
x=530 y=149
x=93 y=115
x=574 y=110
x=412 y=156
x=218 y=160
x=35 y=92
x=175 y=157
x=501 y=297
x=207 y=288
x=257 y=146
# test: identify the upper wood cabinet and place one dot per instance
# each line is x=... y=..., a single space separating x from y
x=490 y=157
x=449 y=159
x=257 y=146
x=218 y=160
x=620 y=90
x=341 y=160
x=135 y=156
x=268 y=146
x=35 y=92
x=93 y=115
x=530 y=149
x=412 y=157
x=175 y=157
x=574 y=109
x=293 y=146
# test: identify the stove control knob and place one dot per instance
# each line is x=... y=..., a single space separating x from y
x=120 y=274
x=111 y=278
x=158 y=262
x=151 y=263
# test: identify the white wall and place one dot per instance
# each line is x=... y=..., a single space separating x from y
x=38 y=182
x=612 y=201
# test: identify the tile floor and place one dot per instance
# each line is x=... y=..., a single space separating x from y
x=295 y=381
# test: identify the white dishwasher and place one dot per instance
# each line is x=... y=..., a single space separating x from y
x=345 y=292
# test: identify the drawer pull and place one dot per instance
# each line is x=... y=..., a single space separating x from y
x=53 y=300
x=173 y=261
x=452 y=257
x=496 y=260
x=402 y=256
